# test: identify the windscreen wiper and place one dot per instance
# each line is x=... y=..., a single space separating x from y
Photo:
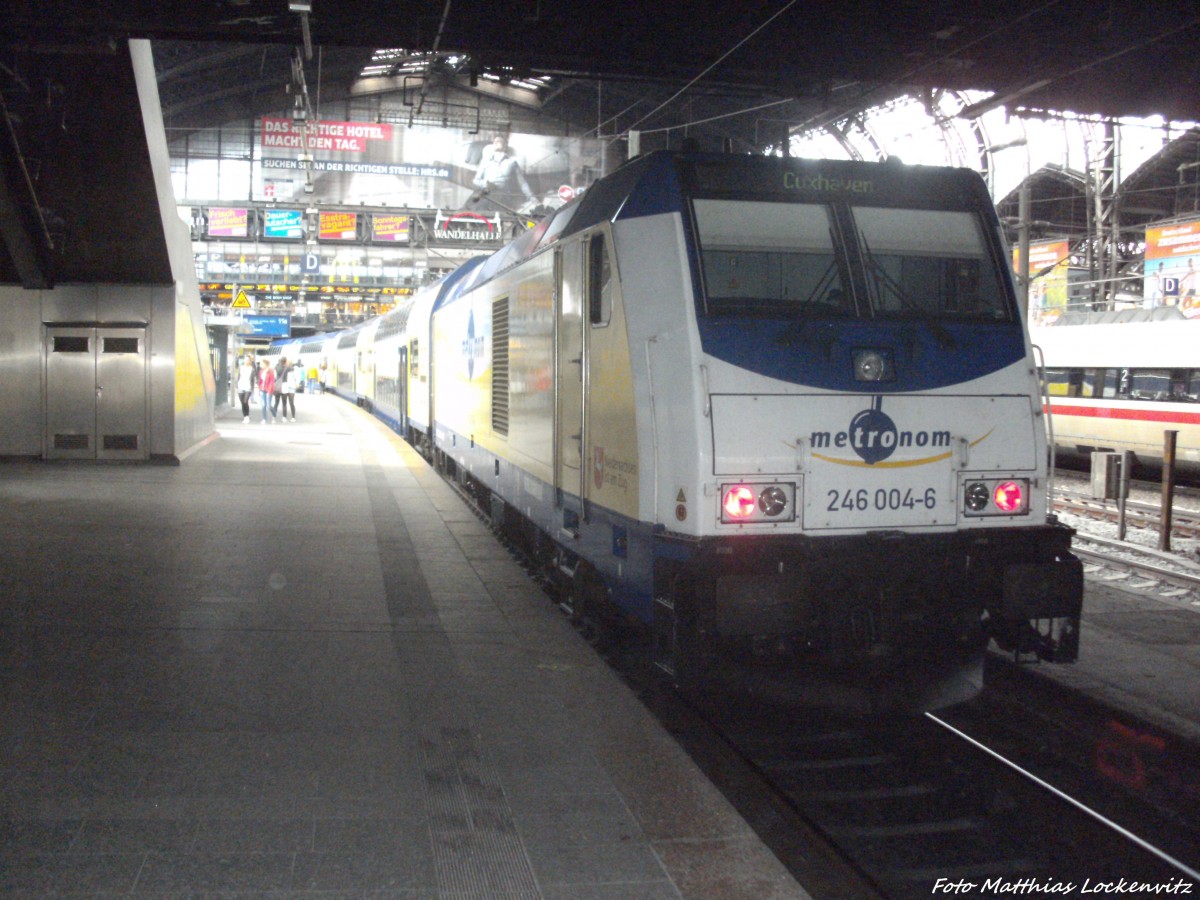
x=943 y=337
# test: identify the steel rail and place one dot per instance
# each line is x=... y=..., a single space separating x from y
x=1184 y=522
x=1082 y=807
x=1174 y=577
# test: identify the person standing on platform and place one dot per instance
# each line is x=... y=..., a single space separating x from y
x=311 y=379
x=245 y=385
x=266 y=389
x=287 y=393
x=281 y=368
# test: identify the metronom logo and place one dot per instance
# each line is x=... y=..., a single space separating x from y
x=873 y=436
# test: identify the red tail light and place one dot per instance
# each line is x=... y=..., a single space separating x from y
x=739 y=502
x=1009 y=497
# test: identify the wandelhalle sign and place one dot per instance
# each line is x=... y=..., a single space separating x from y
x=466 y=226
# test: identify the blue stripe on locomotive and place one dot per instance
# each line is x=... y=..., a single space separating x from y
x=924 y=359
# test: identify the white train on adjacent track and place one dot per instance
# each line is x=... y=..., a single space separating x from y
x=1119 y=381
x=782 y=414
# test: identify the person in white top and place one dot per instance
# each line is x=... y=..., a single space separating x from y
x=245 y=385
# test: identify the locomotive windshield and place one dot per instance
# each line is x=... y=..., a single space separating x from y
x=788 y=260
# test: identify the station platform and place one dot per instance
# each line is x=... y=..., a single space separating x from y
x=1139 y=655
x=297 y=665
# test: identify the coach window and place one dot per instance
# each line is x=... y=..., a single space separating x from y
x=1111 y=386
x=1192 y=386
x=1093 y=383
x=1183 y=385
x=1058 y=382
x=413 y=352
x=599 y=281
x=1150 y=384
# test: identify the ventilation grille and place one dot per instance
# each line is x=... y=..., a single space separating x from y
x=72 y=441
x=121 y=344
x=72 y=344
x=120 y=442
x=500 y=366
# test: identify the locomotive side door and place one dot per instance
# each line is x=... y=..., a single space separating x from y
x=570 y=369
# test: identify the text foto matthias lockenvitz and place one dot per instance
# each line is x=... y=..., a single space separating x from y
x=1017 y=887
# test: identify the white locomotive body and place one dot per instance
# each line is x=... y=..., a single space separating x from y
x=783 y=413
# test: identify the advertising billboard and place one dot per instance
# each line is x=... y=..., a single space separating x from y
x=391 y=229
x=426 y=166
x=1172 y=258
x=283 y=223
x=338 y=226
x=226 y=222
x=1048 y=277
x=341 y=137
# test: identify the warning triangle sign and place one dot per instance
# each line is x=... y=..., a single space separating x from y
x=241 y=301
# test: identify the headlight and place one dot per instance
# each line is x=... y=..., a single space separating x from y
x=1010 y=497
x=772 y=501
x=996 y=497
x=757 y=503
x=873 y=365
x=977 y=496
x=738 y=502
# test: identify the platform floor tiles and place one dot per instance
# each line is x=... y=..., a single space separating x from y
x=297 y=665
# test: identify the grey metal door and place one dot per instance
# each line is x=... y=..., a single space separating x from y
x=96 y=393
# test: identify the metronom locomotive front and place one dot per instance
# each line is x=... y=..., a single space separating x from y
x=783 y=414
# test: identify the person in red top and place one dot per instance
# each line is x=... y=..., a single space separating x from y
x=266 y=387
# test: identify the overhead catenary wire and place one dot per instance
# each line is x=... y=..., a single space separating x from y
x=710 y=67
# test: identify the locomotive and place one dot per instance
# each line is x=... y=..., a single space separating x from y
x=780 y=414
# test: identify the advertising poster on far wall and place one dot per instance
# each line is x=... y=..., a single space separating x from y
x=1172 y=258
x=425 y=167
x=227 y=222
x=1049 y=277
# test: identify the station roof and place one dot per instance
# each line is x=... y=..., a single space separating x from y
x=1113 y=58
x=724 y=74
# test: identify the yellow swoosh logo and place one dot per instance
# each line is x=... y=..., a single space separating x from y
x=899 y=464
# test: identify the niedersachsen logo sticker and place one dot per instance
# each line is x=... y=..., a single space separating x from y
x=873 y=437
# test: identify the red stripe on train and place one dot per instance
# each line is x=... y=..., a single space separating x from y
x=1118 y=412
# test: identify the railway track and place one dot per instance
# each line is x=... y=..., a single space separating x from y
x=1119 y=557
x=1172 y=575
x=920 y=805
x=1138 y=514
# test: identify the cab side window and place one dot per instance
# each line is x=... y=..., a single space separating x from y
x=599 y=281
